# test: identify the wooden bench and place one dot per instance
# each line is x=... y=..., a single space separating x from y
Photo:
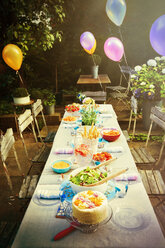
x=153 y=182
x=28 y=186
x=8 y=230
x=98 y=96
x=142 y=156
x=42 y=155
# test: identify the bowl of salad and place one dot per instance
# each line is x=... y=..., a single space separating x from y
x=110 y=134
x=81 y=177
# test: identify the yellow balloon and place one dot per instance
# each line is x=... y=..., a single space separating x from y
x=92 y=50
x=12 y=56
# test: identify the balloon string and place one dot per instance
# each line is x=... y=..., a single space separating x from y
x=124 y=49
x=17 y=72
x=93 y=59
x=98 y=75
x=125 y=58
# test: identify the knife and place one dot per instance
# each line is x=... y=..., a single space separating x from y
x=63 y=233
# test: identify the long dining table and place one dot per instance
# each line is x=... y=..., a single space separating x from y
x=40 y=224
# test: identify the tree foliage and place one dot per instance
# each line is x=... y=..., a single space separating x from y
x=31 y=24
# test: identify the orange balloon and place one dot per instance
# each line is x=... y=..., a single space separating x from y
x=12 y=56
x=92 y=50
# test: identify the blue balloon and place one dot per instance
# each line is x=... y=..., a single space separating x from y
x=157 y=35
x=116 y=10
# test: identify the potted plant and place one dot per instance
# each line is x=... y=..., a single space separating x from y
x=148 y=86
x=89 y=116
x=95 y=60
x=49 y=101
x=21 y=96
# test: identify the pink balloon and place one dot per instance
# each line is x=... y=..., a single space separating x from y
x=114 y=49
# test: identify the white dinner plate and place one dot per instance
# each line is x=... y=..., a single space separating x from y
x=130 y=218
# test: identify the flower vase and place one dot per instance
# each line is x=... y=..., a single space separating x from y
x=50 y=109
x=95 y=69
x=146 y=111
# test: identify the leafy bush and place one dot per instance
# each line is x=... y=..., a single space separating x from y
x=20 y=92
x=47 y=96
x=5 y=108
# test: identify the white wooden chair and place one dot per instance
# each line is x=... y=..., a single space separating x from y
x=6 y=145
x=158 y=117
x=134 y=108
x=37 y=108
x=24 y=120
x=119 y=92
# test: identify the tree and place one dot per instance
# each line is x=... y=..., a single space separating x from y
x=31 y=24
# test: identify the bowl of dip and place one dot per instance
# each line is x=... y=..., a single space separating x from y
x=61 y=166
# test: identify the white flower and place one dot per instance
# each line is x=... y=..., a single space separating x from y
x=138 y=68
x=144 y=65
x=151 y=86
x=163 y=71
x=143 y=83
x=157 y=58
x=88 y=100
x=151 y=62
x=162 y=58
x=133 y=76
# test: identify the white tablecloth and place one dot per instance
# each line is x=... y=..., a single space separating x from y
x=39 y=224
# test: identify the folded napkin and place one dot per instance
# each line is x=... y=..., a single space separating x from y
x=126 y=178
x=47 y=194
x=64 y=150
x=106 y=115
x=115 y=149
x=70 y=125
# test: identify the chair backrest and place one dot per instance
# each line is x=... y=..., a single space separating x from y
x=126 y=70
x=6 y=143
x=24 y=120
x=37 y=107
x=158 y=117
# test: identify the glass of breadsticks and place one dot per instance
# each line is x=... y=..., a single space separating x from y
x=90 y=137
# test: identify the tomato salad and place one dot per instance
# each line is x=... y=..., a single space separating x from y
x=102 y=156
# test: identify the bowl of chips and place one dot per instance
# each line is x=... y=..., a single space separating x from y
x=110 y=134
x=61 y=166
x=69 y=119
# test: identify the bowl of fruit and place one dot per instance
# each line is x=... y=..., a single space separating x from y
x=110 y=134
x=72 y=109
x=101 y=157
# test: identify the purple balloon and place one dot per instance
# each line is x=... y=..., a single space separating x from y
x=87 y=40
x=114 y=49
x=157 y=35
